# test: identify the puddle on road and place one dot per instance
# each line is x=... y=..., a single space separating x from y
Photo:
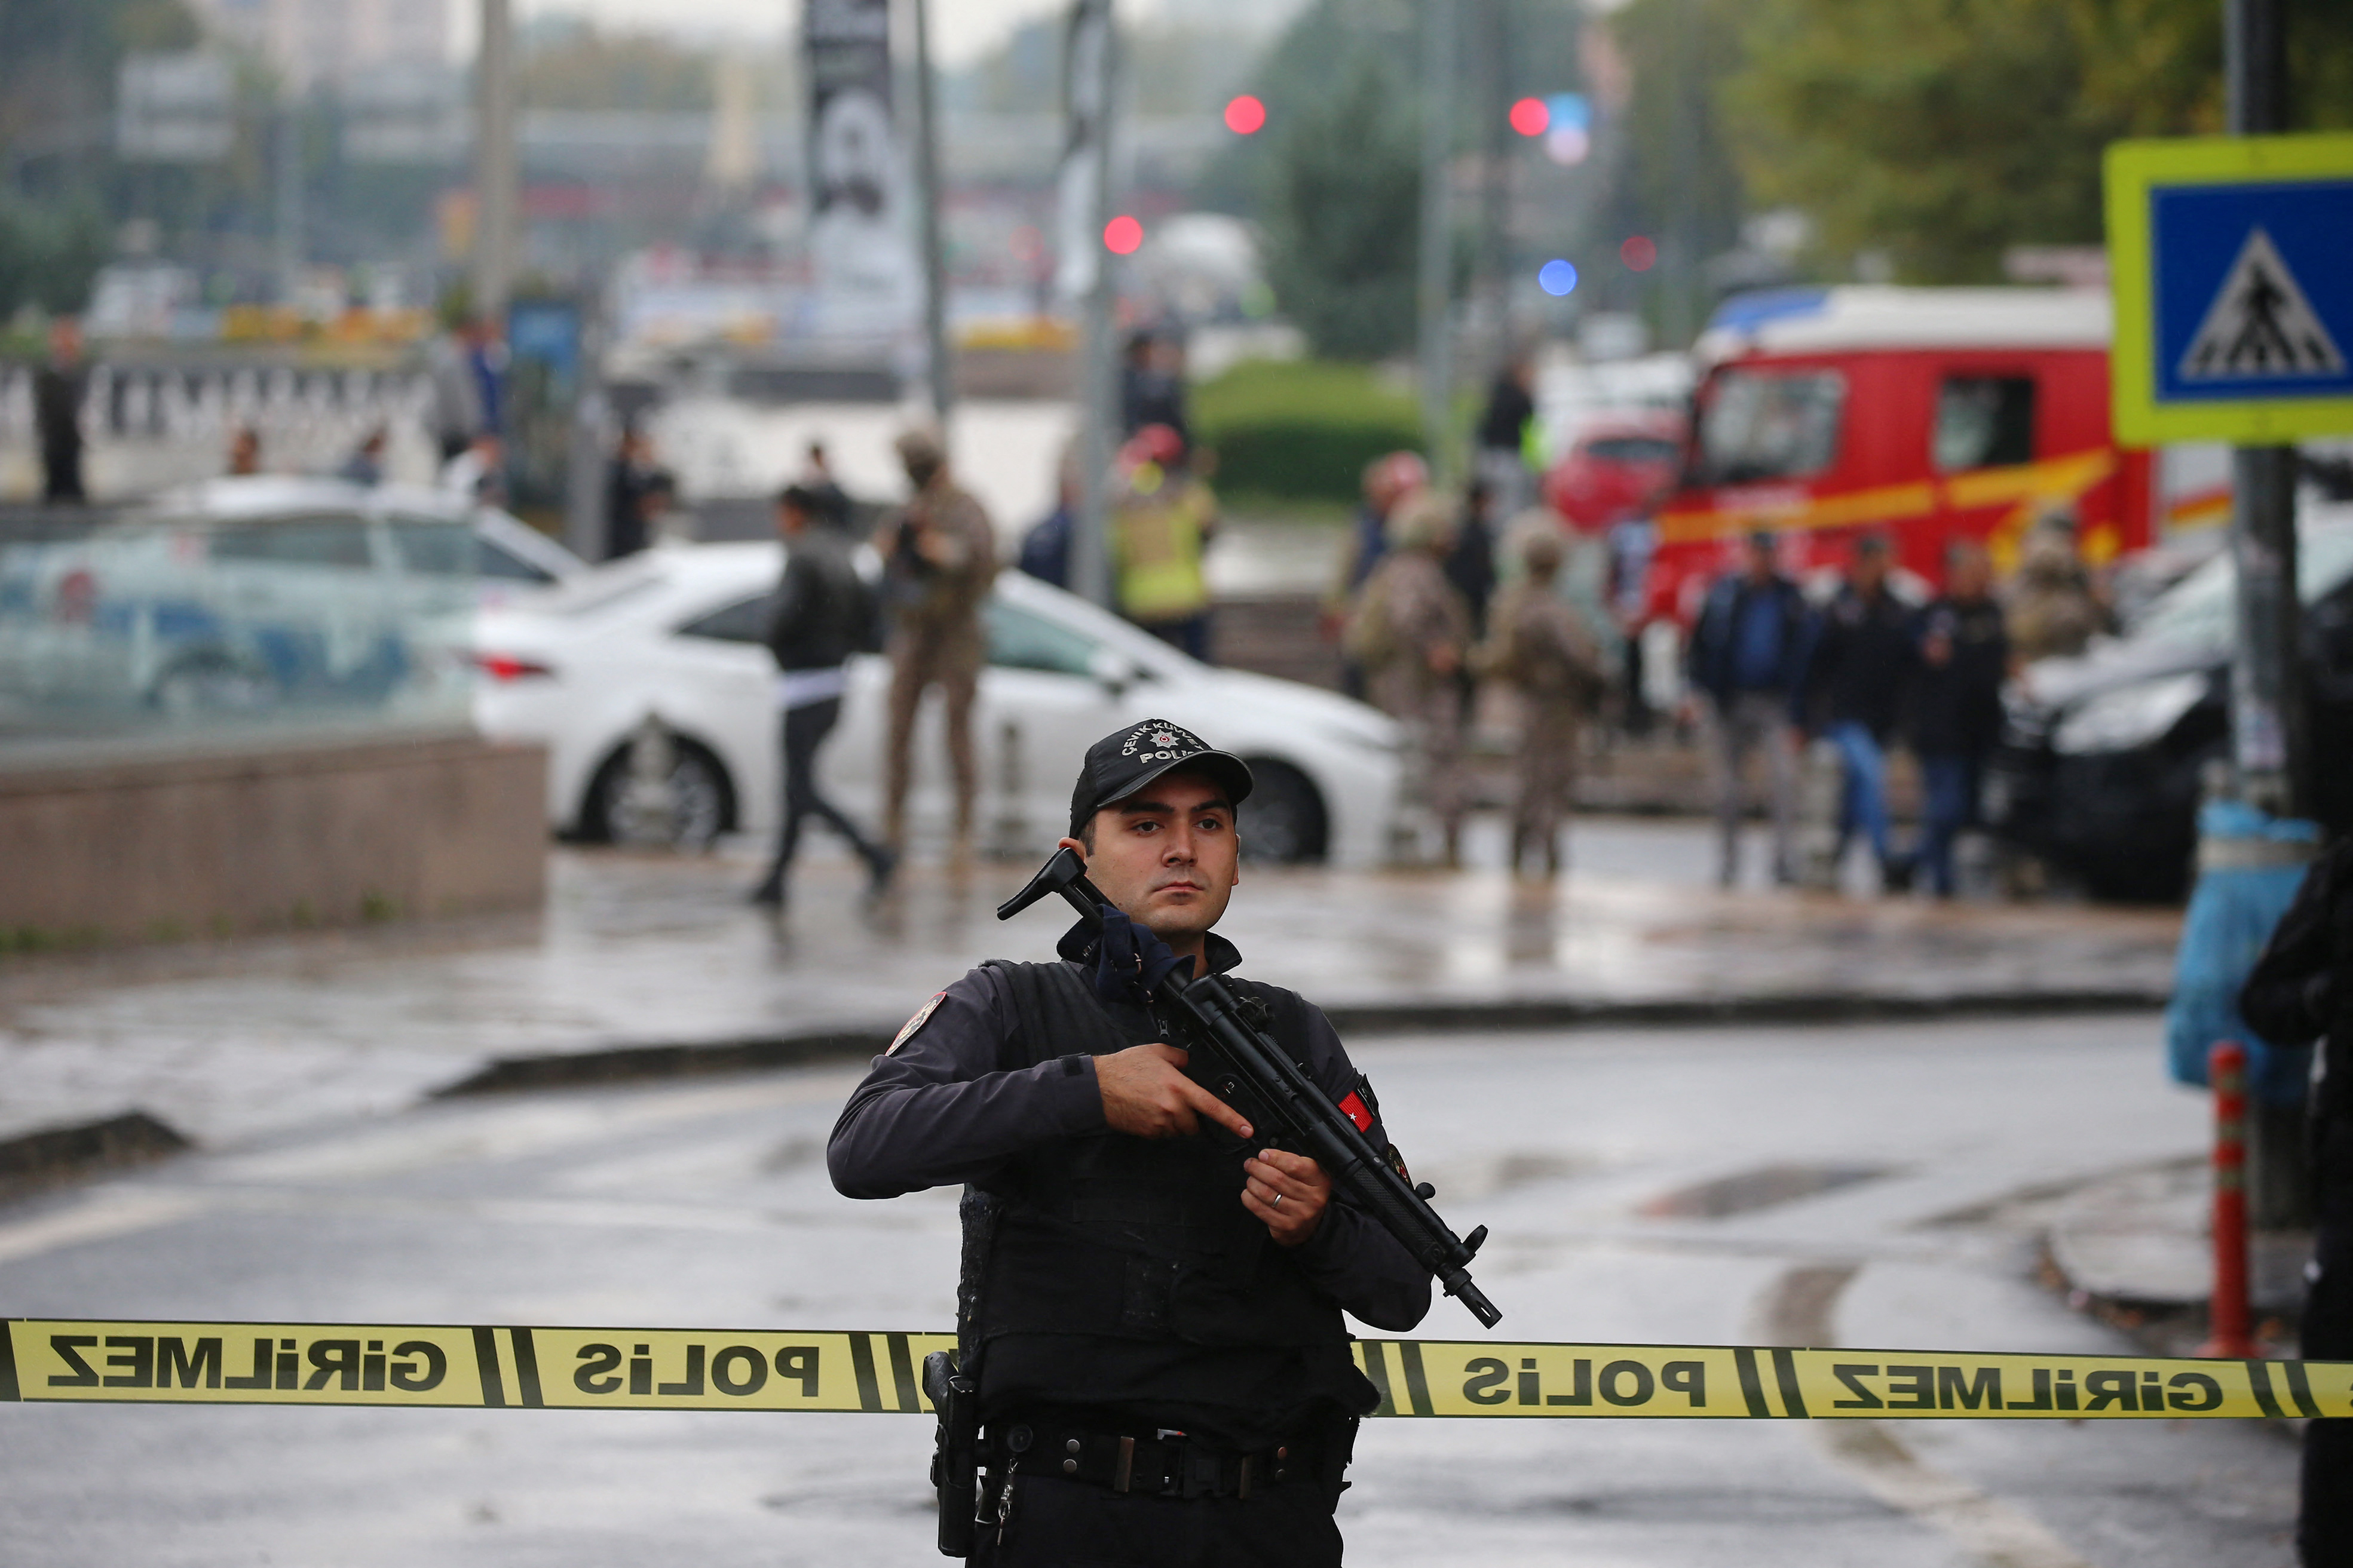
x=1745 y=1192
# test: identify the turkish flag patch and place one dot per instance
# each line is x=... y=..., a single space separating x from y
x=1354 y=1106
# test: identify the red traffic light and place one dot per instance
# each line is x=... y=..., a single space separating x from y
x=1245 y=115
x=1530 y=117
x=1122 y=235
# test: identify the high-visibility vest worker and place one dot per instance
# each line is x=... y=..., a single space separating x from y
x=1162 y=527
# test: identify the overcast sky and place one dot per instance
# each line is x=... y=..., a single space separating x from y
x=961 y=29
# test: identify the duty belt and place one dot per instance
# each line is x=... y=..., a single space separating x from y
x=1163 y=1466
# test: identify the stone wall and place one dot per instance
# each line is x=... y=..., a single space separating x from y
x=162 y=847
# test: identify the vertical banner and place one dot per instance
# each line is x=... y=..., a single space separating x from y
x=865 y=270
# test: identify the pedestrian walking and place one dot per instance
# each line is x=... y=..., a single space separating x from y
x=2301 y=991
x=1412 y=634
x=1964 y=655
x=820 y=617
x=1046 y=548
x=1544 y=651
x=939 y=557
x=2053 y=611
x=1152 y=385
x=834 y=507
x=1151 y=1309
x=626 y=478
x=1502 y=435
x=1748 y=654
x=245 y=451
x=59 y=388
x=1163 y=519
x=1385 y=481
x=1471 y=563
x=365 y=464
x=461 y=372
x=1865 y=649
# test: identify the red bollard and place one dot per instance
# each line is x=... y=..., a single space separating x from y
x=2231 y=1326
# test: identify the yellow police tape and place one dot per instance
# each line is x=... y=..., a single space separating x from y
x=52 y=1359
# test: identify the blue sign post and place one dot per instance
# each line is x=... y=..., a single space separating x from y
x=2232 y=266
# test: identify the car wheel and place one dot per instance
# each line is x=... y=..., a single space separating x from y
x=211 y=685
x=700 y=803
x=1283 y=821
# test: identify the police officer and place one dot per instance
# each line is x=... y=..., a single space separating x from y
x=1151 y=1303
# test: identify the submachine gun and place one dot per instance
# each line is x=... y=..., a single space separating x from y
x=1235 y=1057
x=1238 y=1060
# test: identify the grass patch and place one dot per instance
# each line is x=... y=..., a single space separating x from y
x=1300 y=429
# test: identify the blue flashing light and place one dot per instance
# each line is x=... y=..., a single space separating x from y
x=1557 y=277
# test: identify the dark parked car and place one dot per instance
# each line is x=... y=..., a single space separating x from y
x=2104 y=756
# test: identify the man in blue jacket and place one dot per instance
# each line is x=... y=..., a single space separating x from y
x=1749 y=656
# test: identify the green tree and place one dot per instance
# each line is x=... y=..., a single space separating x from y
x=1343 y=215
x=1944 y=132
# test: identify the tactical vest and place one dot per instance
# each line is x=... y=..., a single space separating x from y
x=1117 y=1238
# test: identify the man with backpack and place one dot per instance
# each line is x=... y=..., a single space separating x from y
x=822 y=615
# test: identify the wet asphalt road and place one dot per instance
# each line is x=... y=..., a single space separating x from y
x=1641 y=1186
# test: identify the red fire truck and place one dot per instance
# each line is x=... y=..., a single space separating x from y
x=1927 y=415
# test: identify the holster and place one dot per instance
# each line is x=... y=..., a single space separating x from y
x=955 y=1451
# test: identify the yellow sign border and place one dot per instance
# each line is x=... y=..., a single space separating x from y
x=2135 y=169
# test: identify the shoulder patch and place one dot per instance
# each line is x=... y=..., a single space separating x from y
x=922 y=1016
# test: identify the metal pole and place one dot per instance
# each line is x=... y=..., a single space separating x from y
x=289 y=202
x=497 y=196
x=940 y=369
x=2269 y=745
x=1494 y=186
x=1096 y=77
x=1677 y=319
x=1434 y=297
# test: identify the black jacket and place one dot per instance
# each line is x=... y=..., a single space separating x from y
x=1956 y=706
x=823 y=612
x=2302 y=986
x=1863 y=658
x=1126 y=1278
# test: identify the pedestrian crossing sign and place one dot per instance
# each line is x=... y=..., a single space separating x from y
x=2231 y=263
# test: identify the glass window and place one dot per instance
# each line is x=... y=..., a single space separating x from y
x=1018 y=640
x=497 y=561
x=1771 y=425
x=431 y=547
x=338 y=541
x=1984 y=422
x=1633 y=449
x=746 y=620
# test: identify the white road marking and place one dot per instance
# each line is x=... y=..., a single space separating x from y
x=1798 y=1311
x=103 y=1216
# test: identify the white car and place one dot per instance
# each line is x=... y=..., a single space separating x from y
x=263 y=594
x=675 y=634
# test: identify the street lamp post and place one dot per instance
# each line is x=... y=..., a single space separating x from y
x=1092 y=64
x=940 y=370
x=2269 y=746
x=1434 y=295
x=497 y=196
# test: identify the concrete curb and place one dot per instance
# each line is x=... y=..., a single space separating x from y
x=637 y=1063
x=57 y=1154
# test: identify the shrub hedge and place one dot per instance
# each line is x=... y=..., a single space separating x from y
x=1301 y=428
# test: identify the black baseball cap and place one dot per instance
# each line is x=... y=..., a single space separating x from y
x=1121 y=763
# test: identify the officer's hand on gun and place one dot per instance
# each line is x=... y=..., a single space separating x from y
x=1145 y=1094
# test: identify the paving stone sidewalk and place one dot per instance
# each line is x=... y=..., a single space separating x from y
x=228 y=1041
